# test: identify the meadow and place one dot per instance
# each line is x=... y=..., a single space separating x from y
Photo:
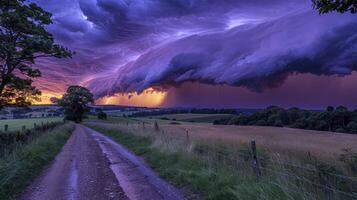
x=190 y=117
x=29 y=123
x=216 y=161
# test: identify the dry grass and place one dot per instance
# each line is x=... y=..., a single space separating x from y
x=274 y=138
x=282 y=140
x=285 y=175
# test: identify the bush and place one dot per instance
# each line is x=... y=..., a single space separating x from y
x=278 y=123
x=261 y=123
x=222 y=122
x=102 y=115
x=340 y=130
x=300 y=123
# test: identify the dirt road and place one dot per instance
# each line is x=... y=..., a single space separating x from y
x=92 y=166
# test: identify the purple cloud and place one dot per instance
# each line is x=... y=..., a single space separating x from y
x=125 y=46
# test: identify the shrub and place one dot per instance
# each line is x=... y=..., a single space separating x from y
x=102 y=115
x=278 y=123
x=175 y=123
x=261 y=123
x=340 y=130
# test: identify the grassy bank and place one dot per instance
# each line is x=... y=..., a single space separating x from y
x=220 y=171
x=17 y=124
x=27 y=161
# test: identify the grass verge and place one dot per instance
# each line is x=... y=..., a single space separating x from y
x=212 y=180
x=26 y=162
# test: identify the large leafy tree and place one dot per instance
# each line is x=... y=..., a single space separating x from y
x=75 y=102
x=342 y=6
x=23 y=39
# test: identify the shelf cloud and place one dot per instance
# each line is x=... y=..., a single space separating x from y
x=131 y=45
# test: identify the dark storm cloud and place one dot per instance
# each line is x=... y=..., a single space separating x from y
x=130 y=45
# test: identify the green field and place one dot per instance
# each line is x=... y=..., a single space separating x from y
x=118 y=113
x=16 y=124
x=190 y=117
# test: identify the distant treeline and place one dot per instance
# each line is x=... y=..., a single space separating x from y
x=338 y=119
x=182 y=111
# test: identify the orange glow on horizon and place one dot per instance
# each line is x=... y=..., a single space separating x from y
x=149 y=98
x=46 y=97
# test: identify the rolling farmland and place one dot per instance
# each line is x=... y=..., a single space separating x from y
x=17 y=124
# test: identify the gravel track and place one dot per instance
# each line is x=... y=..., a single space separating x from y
x=92 y=166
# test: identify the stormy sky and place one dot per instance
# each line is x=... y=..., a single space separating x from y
x=253 y=53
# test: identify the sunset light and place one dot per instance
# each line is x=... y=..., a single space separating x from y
x=148 y=98
x=46 y=97
x=178 y=99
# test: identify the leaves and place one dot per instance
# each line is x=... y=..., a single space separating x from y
x=23 y=39
x=75 y=102
x=342 y=6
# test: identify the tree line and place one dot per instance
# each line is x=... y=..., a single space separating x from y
x=183 y=111
x=338 y=119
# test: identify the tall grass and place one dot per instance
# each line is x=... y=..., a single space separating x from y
x=12 y=139
x=29 y=123
x=27 y=160
x=218 y=170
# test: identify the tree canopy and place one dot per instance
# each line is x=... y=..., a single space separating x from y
x=23 y=39
x=338 y=119
x=75 y=102
x=342 y=6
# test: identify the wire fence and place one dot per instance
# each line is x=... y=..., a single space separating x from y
x=308 y=178
x=10 y=140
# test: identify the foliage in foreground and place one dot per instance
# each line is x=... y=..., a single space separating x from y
x=23 y=39
x=221 y=172
x=342 y=6
x=338 y=119
x=25 y=163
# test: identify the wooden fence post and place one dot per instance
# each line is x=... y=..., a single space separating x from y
x=157 y=126
x=255 y=162
x=187 y=136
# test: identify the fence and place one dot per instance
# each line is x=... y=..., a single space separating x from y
x=10 y=140
x=316 y=180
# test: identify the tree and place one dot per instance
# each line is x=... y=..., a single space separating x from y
x=342 y=6
x=75 y=102
x=341 y=114
x=23 y=39
x=330 y=109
